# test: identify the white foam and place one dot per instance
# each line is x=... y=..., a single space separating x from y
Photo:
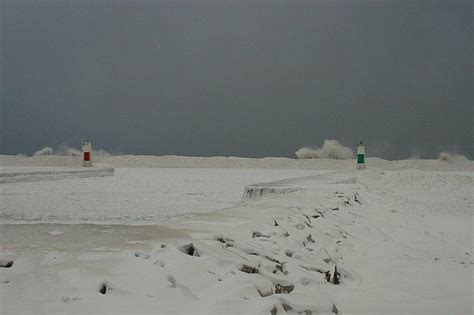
x=44 y=151
x=451 y=157
x=331 y=149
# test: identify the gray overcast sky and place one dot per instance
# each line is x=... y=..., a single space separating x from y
x=245 y=78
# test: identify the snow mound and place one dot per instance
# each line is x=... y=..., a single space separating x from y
x=331 y=149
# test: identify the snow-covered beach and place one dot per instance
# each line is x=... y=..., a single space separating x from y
x=233 y=235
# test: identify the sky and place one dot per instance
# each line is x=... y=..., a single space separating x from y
x=237 y=78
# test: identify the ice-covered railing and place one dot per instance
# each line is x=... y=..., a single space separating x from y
x=30 y=174
x=253 y=192
x=280 y=187
x=290 y=185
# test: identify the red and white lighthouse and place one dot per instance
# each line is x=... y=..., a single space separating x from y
x=87 y=153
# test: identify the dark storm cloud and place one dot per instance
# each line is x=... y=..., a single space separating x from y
x=247 y=78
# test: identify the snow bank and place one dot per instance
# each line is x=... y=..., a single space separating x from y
x=331 y=149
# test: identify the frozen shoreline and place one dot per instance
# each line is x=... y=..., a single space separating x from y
x=401 y=240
